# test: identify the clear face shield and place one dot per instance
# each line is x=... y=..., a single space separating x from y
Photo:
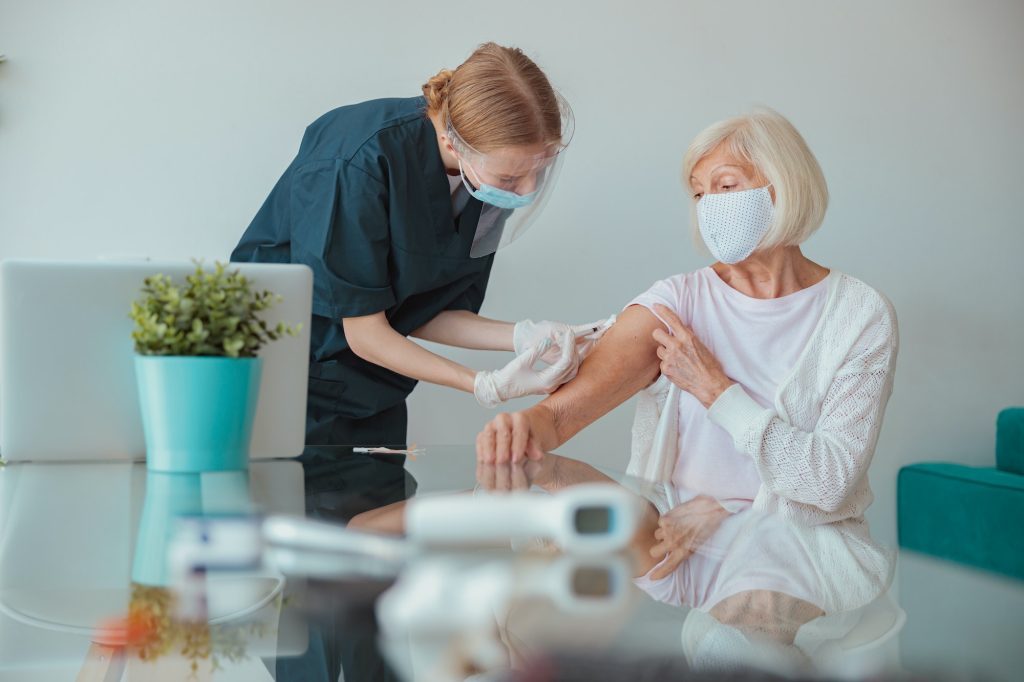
x=513 y=183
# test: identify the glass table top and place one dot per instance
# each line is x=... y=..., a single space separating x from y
x=428 y=566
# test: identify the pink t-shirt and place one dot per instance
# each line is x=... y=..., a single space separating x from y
x=758 y=342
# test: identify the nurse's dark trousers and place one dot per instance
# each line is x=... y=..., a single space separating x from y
x=339 y=485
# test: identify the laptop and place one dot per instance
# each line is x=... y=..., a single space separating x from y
x=67 y=377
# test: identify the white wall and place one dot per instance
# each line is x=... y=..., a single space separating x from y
x=158 y=128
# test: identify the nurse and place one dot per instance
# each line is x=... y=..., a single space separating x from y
x=398 y=206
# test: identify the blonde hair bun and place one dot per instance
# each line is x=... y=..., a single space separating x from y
x=436 y=89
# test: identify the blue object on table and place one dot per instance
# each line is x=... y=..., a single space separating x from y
x=197 y=412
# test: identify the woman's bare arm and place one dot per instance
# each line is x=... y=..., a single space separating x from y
x=623 y=362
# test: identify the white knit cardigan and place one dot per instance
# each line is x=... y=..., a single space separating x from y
x=813 y=446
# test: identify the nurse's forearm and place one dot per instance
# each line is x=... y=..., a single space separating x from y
x=373 y=339
x=463 y=329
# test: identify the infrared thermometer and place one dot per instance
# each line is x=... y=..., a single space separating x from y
x=299 y=546
x=590 y=518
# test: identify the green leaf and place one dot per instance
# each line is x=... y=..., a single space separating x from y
x=212 y=313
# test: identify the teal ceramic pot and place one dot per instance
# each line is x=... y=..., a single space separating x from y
x=197 y=412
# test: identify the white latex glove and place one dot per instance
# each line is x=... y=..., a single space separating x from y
x=519 y=378
x=527 y=334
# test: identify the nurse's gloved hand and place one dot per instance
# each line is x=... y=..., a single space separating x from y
x=527 y=334
x=519 y=378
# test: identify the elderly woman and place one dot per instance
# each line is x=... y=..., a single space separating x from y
x=782 y=369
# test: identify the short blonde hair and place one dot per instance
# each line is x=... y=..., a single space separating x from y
x=768 y=141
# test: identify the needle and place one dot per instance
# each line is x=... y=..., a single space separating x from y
x=412 y=451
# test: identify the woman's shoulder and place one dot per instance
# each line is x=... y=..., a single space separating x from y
x=347 y=131
x=687 y=279
x=853 y=295
x=676 y=285
x=864 y=310
x=676 y=292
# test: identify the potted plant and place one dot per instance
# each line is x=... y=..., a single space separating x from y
x=197 y=368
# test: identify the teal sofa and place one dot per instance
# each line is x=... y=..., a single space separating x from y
x=971 y=515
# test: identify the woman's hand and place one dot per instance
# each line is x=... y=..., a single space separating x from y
x=517 y=437
x=683 y=530
x=687 y=362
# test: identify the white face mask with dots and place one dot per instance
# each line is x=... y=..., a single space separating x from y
x=733 y=223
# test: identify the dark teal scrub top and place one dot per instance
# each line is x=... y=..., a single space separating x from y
x=367 y=205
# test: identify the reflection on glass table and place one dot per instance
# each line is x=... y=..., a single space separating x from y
x=87 y=585
x=756 y=589
x=550 y=570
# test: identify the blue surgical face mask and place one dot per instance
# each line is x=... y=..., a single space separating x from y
x=495 y=196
